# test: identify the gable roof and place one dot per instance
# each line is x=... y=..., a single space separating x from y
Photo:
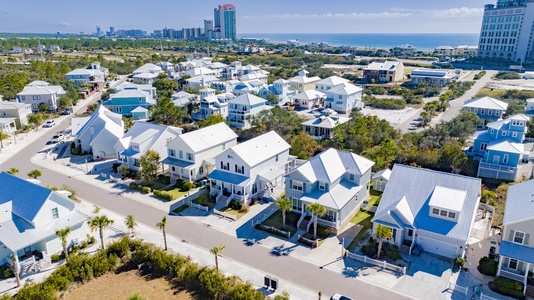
x=260 y=148
x=417 y=187
x=309 y=95
x=386 y=174
x=208 y=137
x=487 y=103
x=345 y=89
x=145 y=134
x=147 y=68
x=333 y=80
x=42 y=90
x=505 y=145
x=247 y=99
x=519 y=203
x=326 y=121
x=328 y=166
x=109 y=120
x=6 y=105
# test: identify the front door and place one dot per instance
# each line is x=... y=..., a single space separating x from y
x=496 y=159
x=393 y=234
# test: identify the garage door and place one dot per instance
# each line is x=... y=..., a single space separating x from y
x=438 y=247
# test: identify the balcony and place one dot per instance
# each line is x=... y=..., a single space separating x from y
x=513 y=275
x=239 y=112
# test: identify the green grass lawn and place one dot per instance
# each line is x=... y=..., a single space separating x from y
x=156 y=185
x=176 y=192
x=362 y=218
x=276 y=221
x=205 y=200
x=180 y=209
x=375 y=198
x=231 y=211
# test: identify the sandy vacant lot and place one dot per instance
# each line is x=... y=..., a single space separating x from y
x=121 y=286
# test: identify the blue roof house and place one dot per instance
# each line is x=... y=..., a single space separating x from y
x=487 y=109
x=500 y=148
x=429 y=208
x=29 y=217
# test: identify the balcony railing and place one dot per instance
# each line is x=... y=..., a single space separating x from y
x=485 y=165
x=512 y=275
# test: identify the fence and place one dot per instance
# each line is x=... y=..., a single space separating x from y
x=479 y=233
x=379 y=263
x=198 y=206
x=312 y=243
x=264 y=217
x=457 y=288
x=226 y=215
x=486 y=297
x=274 y=230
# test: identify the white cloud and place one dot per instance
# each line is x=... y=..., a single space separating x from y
x=458 y=12
x=353 y=15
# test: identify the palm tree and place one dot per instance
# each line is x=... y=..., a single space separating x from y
x=317 y=210
x=15 y=266
x=217 y=251
x=100 y=223
x=487 y=196
x=382 y=233
x=285 y=205
x=130 y=223
x=34 y=174
x=162 y=224
x=13 y=171
x=63 y=234
x=3 y=136
x=96 y=209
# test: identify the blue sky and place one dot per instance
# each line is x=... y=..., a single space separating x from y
x=267 y=16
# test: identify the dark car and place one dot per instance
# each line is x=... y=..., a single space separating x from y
x=67 y=111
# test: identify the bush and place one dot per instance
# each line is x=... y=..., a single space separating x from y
x=54 y=258
x=244 y=208
x=91 y=239
x=6 y=272
x=507 y=75
x=459 y=262
x=84 y=244
x=142 y=189
x=187 y=186
x=163 y=195
x=388 y=103
x=487 y=266
x=507 y=287
x=479 y=75
x=235 y=205
x=164 y=179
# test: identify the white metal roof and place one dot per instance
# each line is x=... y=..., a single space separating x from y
x=247 y=99
x=333 y=80
x=519 y=203
x=386 y=173
x=208 y=137
x=487 y=103
x=261 y=148
x=448 y=198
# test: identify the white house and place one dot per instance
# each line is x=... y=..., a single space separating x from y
x=19 y=111
x=100 y=133
x=330 y=82
x=191 y=156
x=336 y=179
x=141 y=137
x=243 y=108
x=94 y=75
x=213 y=105
x=323 y=126
x=302 y=82
x=344 y=98
x=380 y=179
x=432 y=209
x=308 y=100
x=38 y=92
x=201 y=81
x=252 y=169
x=432 y=76
x=148 y=68
x=147 y=88
x=30 y=215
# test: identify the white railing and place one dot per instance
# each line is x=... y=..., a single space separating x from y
x=198 y=206
x=240 y=198
x=486 y=297
x=228 y=200
x=302 y=215
x=380 y=263
x=511 y=275
x=457 y=288
x=103 y=175
x=265 y=216
x=326 y=223
x=219 y=196
x=486 y=165
x=479 y=233
x=224 y=214
x=309 y=224
x=27 y=265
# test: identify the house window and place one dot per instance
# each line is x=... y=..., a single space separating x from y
x=36 y=97
x=519 y=237
x=297 y=185
x=482 y=111
x=224 y=146
x=351 y=177
x=512 y=264
x=180 y=154
x=4 y=113
x=452 y=215
x=505 y=158
x=276 y=157
x=514 y=134
x=443 y=213
x=201 y=170
x=435 y=211
x=322 y=186
x=230 y=156
x=189 y=156
x=492 y=130
x=35 y=106
x=140 y=99
x=50 y=102
x=118 y=109
x=340 y=97
x=490 y=112
x=23 y=97
x=55 y=213
x=254 y=188
x=410 y=232
x=483 y=146
x=503 y=133
x=173 y=168
x=172 y=152
x=297 y=204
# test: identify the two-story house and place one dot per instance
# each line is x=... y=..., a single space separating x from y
x=343 y=98
x=384 y=72
x=486 y=108
x=93 y=76
x=279 y=89
x=100 y=133
x=322 y=127
x=141 y=137
x=252 y=169
x=516 y=251
x=302 y=82
x=19 y=111
x=125 y=101
x=336 y=179
x=439 y=77
x=248 y=87
x=191 y=156
x=500 y=148
x=242 y=109
x=38 y=92
x=435 y=210
x=328 y=83
x=147 y=88
x=213 y=105
x=147 y=73
x=31 y=215
x=308 y=100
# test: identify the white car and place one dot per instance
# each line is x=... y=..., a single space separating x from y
x=57 y=138
x=340 y=297
x=49 y=123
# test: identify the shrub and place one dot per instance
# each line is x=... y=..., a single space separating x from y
x=163 y=195
x=235 y=205
x=84 y=244
x=507 y=75
x=487 y=266
x=388 y=103
x=6 y=272
x=507 y=287
x=54 y=257
x=187 y=186
x=134 y=185
x=244 y=208
x=459 y=262
x=479 y=75
x=91 y=239
x=164 y=179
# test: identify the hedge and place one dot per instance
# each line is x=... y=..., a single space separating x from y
x=507 y=287
x=163 y=195
x=385 y=103
x=142 y=189
x=487 y=266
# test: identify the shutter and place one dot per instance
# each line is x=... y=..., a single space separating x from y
x=511 y=236
x=236 y=168
x=290 y=183
x=221 y=165
x=519 y=265
x=525 y=240
x=304 y=186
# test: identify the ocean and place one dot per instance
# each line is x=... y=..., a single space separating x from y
x=422 y=41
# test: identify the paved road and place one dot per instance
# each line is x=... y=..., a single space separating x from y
x=288 y=269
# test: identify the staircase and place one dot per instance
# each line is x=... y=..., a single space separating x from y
x=304 y=225
x=405 y=249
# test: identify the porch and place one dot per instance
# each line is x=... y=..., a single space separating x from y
x=178 y=168
x=496 y=171
x=515 y=262
x=233 y=186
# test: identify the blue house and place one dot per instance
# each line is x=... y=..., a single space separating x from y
x=486 y=108
x=500 y=149
x=128 y=99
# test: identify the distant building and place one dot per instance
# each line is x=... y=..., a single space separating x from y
x=405 y=49
x=388 y=71
x=38 y=92
x=92 y=76
x=225 y=22
x=302 y=82
x=432 y=76
x=444 y=51
x=506 y=31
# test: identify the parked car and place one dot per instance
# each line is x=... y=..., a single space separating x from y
x=58 y=138
x=49 y=123
x=417 y=250
x=340 y=297
x=67 y=111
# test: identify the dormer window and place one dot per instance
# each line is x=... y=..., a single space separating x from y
x=55 y=213
x=446 y=203
x=322 y=186
x=351 y=177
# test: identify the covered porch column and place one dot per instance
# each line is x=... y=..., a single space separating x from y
x=526 y=278
x=500 y=265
